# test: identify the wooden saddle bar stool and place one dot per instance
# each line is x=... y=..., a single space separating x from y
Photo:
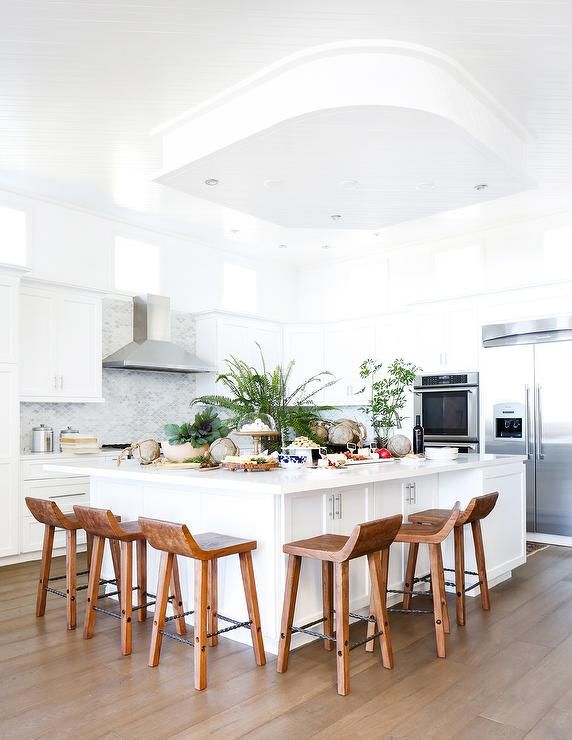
x=371 y=539
x=172 y=540
x=432 y=535
x=103 y=525
x=478 y=508
x=52 y=517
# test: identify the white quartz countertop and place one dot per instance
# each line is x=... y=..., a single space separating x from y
x=275 y=482
x=57 y=455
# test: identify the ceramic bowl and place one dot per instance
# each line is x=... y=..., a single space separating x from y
x=292 y=462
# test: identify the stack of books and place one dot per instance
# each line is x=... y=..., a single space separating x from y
x=79 y=444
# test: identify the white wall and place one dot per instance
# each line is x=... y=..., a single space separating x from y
x=72 y=246
x=530 y=252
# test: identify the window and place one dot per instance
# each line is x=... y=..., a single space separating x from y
x=558 y=253
x=136 y=266
x=239 y=288
x=12 y=236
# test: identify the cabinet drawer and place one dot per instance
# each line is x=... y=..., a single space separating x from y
x=34 y=470
x=33 y=535
x=65 y=492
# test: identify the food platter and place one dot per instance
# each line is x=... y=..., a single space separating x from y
x=250 y=467
x=187 y=466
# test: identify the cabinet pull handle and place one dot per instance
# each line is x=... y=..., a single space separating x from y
x=55 y=382
x=413 y=493
x=331 y=502
x=339 y=506
x=61 y=382
x=407 y=497
x=66 y=495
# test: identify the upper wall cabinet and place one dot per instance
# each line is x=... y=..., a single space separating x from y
x=9 y=288
x=60 y=345
x=304 y=345
x=445 y=337
x=220 y=336
x=346 y=346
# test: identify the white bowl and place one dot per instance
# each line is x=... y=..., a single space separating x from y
x=441 y=453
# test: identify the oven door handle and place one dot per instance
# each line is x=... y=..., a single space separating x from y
x=444 y=389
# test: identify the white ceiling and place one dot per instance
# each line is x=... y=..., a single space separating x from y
x=82 y=83
x=373 y=166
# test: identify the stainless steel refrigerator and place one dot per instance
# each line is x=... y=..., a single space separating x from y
x=526 y=392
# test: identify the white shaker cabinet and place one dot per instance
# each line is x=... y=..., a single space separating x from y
x=220 y=336
x=304 y=344
x=445 y=337
x=60 y=345
x=346 y=346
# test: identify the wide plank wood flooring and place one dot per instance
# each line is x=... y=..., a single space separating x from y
x=508 y=674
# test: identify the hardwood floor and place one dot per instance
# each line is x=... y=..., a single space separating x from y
x=508 y=674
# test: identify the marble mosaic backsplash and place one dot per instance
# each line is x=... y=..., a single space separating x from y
x=137 y=403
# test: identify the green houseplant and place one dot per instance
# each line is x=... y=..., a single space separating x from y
x=188 y=440
x=251 y=391
x=388 y=394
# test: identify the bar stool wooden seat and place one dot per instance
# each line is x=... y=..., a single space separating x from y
x=478 y=508
x=52 y=517
x=371 y=539
x=432 y=535
x=174 y=539
x=103 y=525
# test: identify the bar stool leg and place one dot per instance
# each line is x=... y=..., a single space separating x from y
x=116 y=558
x=126 y=597
x=93 y=587
x=342 y=601
x=443 y=591
x=141 y=548
x=378 y=568
x=290 y=591
x=481 y=567
x=437 y=600
x=252 y=605
x=460 y=574
x=164 y=578
x=88 y=548
x=71 y=578
x=328 y=601
x=45 y=566
x=200 y=656
x=212 y=619
x=178 y=608
x=410 y=574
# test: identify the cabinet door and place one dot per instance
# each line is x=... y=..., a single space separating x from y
x=304 y=345
x=38 y=372
x=419 y=494
x=388 y=501
x=79 y=347
x=270 y=340
x=8 y=318
x=429 y=336
x=463 y=340
x=346 y=346
x=351 y=507
x=9 y=443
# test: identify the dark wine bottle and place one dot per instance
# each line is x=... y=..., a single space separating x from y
x=418 y=437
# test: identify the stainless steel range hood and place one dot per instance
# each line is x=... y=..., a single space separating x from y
x=151 y=348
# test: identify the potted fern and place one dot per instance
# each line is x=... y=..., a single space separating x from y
x=251 y=391
x=189 y=440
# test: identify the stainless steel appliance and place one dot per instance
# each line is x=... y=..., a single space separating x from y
x=42 y=439
x=527 y=402
x=449 y=408
x=152 y=348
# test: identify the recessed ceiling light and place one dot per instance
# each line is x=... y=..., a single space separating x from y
x=282 y=246
x=481 y=186
x=335 y=217
x=211 y=181
x=425 y=185
x=326 y=246
x=348 y=184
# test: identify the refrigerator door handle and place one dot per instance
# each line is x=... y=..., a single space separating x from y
x=529 y=447
x=539 y=453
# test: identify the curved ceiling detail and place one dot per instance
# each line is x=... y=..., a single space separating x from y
x=252 y=126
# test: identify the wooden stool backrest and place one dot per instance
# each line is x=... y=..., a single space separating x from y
x=448 y=525
x=370 y=537
x=170 y=537
x=47 y=512
x=100 y=522
x=478 y=508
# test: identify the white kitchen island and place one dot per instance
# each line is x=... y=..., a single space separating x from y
x=279 y=506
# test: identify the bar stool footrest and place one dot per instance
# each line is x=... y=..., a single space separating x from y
x=367 y=639
x=467 y=572
x=409 y=611
x=470 y=588
x=179 y=616
x=106 y=611
x=55 y=591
